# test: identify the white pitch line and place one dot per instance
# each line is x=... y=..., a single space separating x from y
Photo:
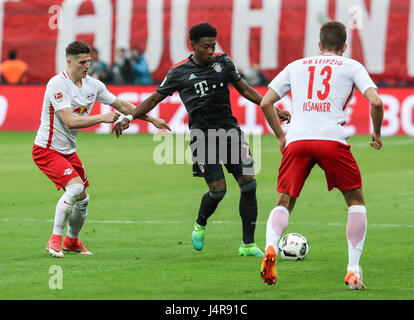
x=329 y=224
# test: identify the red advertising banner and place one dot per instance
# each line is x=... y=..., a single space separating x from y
x=20 y=109
x=269 y=33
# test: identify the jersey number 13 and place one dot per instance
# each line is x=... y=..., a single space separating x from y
x=326 y=72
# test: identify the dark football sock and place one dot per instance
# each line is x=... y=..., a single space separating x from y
x=208 y=205
x=248 y=210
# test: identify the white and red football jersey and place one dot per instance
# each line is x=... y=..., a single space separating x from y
x=62 y=93
x=322 y=87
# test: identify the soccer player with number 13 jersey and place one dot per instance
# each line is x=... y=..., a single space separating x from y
x=322 y=87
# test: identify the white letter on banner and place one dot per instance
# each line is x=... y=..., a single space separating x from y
x=155 y=45
x=244 y=19
x=1 y=24
x=407 y=109
x=99 y=24
x=3 y=109
x=123 y=24
x=179 y=31
x=316 y=16
x=373 y=34
x=410 y=45
x=390 y=115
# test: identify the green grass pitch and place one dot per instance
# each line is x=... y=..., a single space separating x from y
x=141 y=214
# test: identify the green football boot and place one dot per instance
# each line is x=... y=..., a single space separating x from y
x=250 y=250
x=197 y=237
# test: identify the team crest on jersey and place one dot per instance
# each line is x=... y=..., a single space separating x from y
x=58 y=96
x=217 y=67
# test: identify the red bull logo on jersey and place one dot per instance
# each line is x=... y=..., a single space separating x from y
x=80 y=110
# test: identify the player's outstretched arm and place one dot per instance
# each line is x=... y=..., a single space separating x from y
x=377 y=116
x=140 y=113
x=267 y=106
x=75 y=122
x=248 y=92
x=126 y=108
x=123 y=106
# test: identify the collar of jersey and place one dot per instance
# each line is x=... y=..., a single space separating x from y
x=67 y=78
x=192 y=61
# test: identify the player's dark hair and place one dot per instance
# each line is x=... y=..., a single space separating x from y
x=77 y=47
x=333 y=35
x=202 y=30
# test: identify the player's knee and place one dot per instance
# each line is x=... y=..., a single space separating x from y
x=248 y=186
x=75 y=190
x=217 y=195
x=285 y=200
x=84 y=195
x=354 y=197
x=83 y=201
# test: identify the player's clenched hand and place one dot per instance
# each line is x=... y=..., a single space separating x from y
x=376 y=142
x=120 y=126
x=283 y=115
x=160 y=124
x=110 y=117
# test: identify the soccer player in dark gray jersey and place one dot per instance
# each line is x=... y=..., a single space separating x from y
x=202 y=81
x=204 y=90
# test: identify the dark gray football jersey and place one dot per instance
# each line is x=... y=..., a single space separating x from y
x=204 y=91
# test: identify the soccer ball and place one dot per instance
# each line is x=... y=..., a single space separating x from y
x=293 y=246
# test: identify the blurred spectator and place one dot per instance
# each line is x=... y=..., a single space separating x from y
x=122 y=70
x=141 y=70
x=254 y=76
x=98 y=69
x=13 y=70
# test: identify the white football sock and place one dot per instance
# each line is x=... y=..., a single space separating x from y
x=356 y=228
x=64 y=207
x=78 y=217
x=276 y=224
